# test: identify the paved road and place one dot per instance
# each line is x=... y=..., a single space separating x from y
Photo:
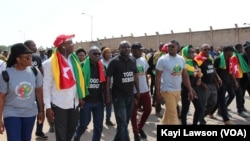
x=150 y=127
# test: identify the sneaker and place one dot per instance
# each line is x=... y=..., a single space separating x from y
x=228 y=122
x=143 y=135
x=41 y=136
x=137 y=137
x=109 y=123
x=159 y=115
x=243 y=114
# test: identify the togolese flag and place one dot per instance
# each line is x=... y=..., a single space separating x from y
x=62 y=73
x=238 y=65
x=200 y=58
x=189 y=62
x=80 y=83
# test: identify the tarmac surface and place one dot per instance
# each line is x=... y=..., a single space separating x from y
x=150 y=126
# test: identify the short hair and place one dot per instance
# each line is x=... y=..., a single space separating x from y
x=80 y=50
x=175 y=42
x=237 y=46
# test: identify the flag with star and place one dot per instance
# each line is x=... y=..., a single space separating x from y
x=62 y=73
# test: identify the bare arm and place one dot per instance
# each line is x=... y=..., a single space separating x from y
x=2 y=101
x=157 y=85
x=136 y=82
x=39 y=97
x=107 y=87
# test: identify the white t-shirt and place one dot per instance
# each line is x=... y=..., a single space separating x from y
x=142 y=66
x=2 y=65
x=171 y=67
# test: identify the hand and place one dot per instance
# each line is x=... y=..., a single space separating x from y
x=1 y=127
x=107 y=101
x=198 y=82
x=81 y=103
x=137 y=98
x=219 y=82
x=50 y=114
x=203 y=86
x=40 y=117
x=190 y=95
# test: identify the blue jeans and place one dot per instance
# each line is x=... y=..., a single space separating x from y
x=19 y=128
x=97 y=109
x=123 y=108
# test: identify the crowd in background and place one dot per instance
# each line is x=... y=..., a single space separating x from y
x=70 y=87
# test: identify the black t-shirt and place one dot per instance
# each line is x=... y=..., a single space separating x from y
x=95 y=88
x=207 y=69
x=123 y=71
x=223 y=73
x=36 y=61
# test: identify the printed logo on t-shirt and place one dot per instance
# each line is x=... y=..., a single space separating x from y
x=23 y=90
x=94 y=83
x=176 y=70
x=140 y=68
x=128 y=77
x=210 y=69
x=34 y=63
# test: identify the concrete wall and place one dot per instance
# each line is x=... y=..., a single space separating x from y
x=216 y=38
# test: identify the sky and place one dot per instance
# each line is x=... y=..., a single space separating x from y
x=43 y=20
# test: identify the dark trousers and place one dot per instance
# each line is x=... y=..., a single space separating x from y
x=245 y=87
x=185 y=107
x=239 y=98
x=65 y=122
x=222 y=99
x=19 y=128
x=209 y=100
x=123 y=108
x=145 y=101
x=97 y=110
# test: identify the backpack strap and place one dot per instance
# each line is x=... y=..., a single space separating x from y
x=34 y=70
x=5 y=76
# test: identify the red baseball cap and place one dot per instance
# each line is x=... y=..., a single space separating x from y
x=164 y=48
x=62 y=38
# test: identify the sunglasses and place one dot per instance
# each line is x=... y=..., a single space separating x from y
x=206 y=49
x=29 y=57
x=171 y=46
x=96 y=53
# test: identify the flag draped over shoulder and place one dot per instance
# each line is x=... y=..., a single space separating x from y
x=200 y=58
x=86 y=71
x=189 y=62
x=222 y=64
x=238 y=65
x=61 y=71
x=79 y=77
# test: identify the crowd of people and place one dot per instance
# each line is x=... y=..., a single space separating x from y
x=70 y=87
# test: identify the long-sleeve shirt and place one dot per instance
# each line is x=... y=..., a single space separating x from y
x=66 y=98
